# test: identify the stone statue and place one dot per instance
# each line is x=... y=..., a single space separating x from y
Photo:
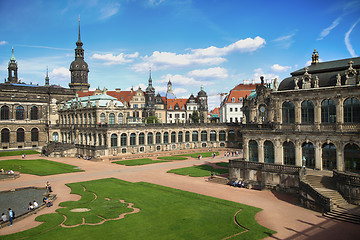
x=338 y=80
x=275 y=84
x=296 y=80
x=316 y=82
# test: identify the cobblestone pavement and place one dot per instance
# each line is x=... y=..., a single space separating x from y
x=280 y=211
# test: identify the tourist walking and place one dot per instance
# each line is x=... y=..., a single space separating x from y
x=11 y=216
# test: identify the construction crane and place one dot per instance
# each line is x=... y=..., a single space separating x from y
x=220 y=94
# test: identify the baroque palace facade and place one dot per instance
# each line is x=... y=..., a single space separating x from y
x=312 y=118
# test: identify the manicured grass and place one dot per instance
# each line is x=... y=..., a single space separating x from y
x=17 y=153
x=199 y=171
x=203 y=154
x=40 y=167
x=223 y=164
x=165 y=213
x=176 y=157
x=140 y=161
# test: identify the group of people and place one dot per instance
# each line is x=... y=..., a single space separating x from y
x=84 y=157
x=2 y=171
x=33 y=205
x=213 y=155
x=232 y=154
x=239 y=183
x=47 y=201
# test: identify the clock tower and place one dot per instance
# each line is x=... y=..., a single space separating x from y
x=79 y=69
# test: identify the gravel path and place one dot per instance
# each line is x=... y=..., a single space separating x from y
x=280 y=212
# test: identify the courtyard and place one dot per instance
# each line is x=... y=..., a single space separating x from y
x=280 y=211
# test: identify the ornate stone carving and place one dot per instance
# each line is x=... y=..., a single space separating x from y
x=338 y=80
x=350 y=74
x=296 y=80
x=306 y=79
x=316 y=82
x=275 y=85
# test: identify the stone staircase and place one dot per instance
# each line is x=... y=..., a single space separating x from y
x=341 y=210
x=56 y=148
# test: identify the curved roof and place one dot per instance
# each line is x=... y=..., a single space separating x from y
x=325 y=71
x=103 y=100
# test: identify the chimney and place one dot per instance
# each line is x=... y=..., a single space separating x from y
x=118 y=89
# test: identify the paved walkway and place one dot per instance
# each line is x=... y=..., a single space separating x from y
x=280 y=211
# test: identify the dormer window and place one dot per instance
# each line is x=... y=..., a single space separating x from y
x=233 y=99
x=240 y=99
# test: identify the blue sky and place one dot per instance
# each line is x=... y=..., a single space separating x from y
x=216 y=44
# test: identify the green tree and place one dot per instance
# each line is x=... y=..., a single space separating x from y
x=195 y=117
x=151 y=119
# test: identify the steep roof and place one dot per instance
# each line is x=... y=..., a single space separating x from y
x=172 y=102
x=325 y=71
x=240 y=91
x=215 y=112
x=245 y=87
x=119 y=95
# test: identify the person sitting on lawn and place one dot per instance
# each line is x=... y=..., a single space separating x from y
x=10 y=172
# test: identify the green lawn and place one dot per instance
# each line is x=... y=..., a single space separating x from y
x=199 y=171
x=16 y=153
x=223 y=164
x=203 y=154
x=40 y=167
x=176 y=157
x=165 y=213
x=140 y=161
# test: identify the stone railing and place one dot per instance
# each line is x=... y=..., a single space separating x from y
x=7 y=176
x=268 y=167
x=317 y=201
x=346 y=178
x=348 y=184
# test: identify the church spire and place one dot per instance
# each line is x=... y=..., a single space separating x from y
x=12 y=69
x=79 y=30
x=47 y=80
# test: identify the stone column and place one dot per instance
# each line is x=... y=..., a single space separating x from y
x=317 y=114
x=261 y=150
x=297 y=112
x=340 y=156
x=278 y=152
x=298 y=153
x=246 y=149
x=339 y=112
x=318 y=159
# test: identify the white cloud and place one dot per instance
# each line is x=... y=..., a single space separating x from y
x=243 y=45
x=285 y=41
x=111 y=59
x=327 y=30
x=59 y=74
x=258 y=72
x=207 y=56
x=155 y=2
x=347 y=40
x=277 y=68
x=3 y=43
x=178 y=79
x=109 y=10
x=141 y=85
x=216 y=72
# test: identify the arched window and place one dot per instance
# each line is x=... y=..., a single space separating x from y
x=85 y=118
x=94 y=118
x=231 y=136
x=194 y=136
x=4 y=113
x=150 y=138
x=90 y=118
x=34 y=135
x=81 y=119
x=120 y=118
x=203 y=136
x=308 y=151
x=19 y=113
x=132 y=139
x=166 y=137
x=212 y=136
x=329 y=156
x=269 y=152
x=180 y=137
x=187 y=136
x=253 y=151
x=5 y=135
x=328 y=111
x=141 y=138
x=102 y=118
x=34 y=113
x=111 y=119
x=352 y=110
x=123 y=139
x=307 y=112
x=351 y=157
x=55 y=137
x=222 y=135
x=20 y=135
x=289 y=153
x=288 y=112
x=247 y=114
x=114 y=140
x=158 y=138
x=173 y=137
x=76 y=119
